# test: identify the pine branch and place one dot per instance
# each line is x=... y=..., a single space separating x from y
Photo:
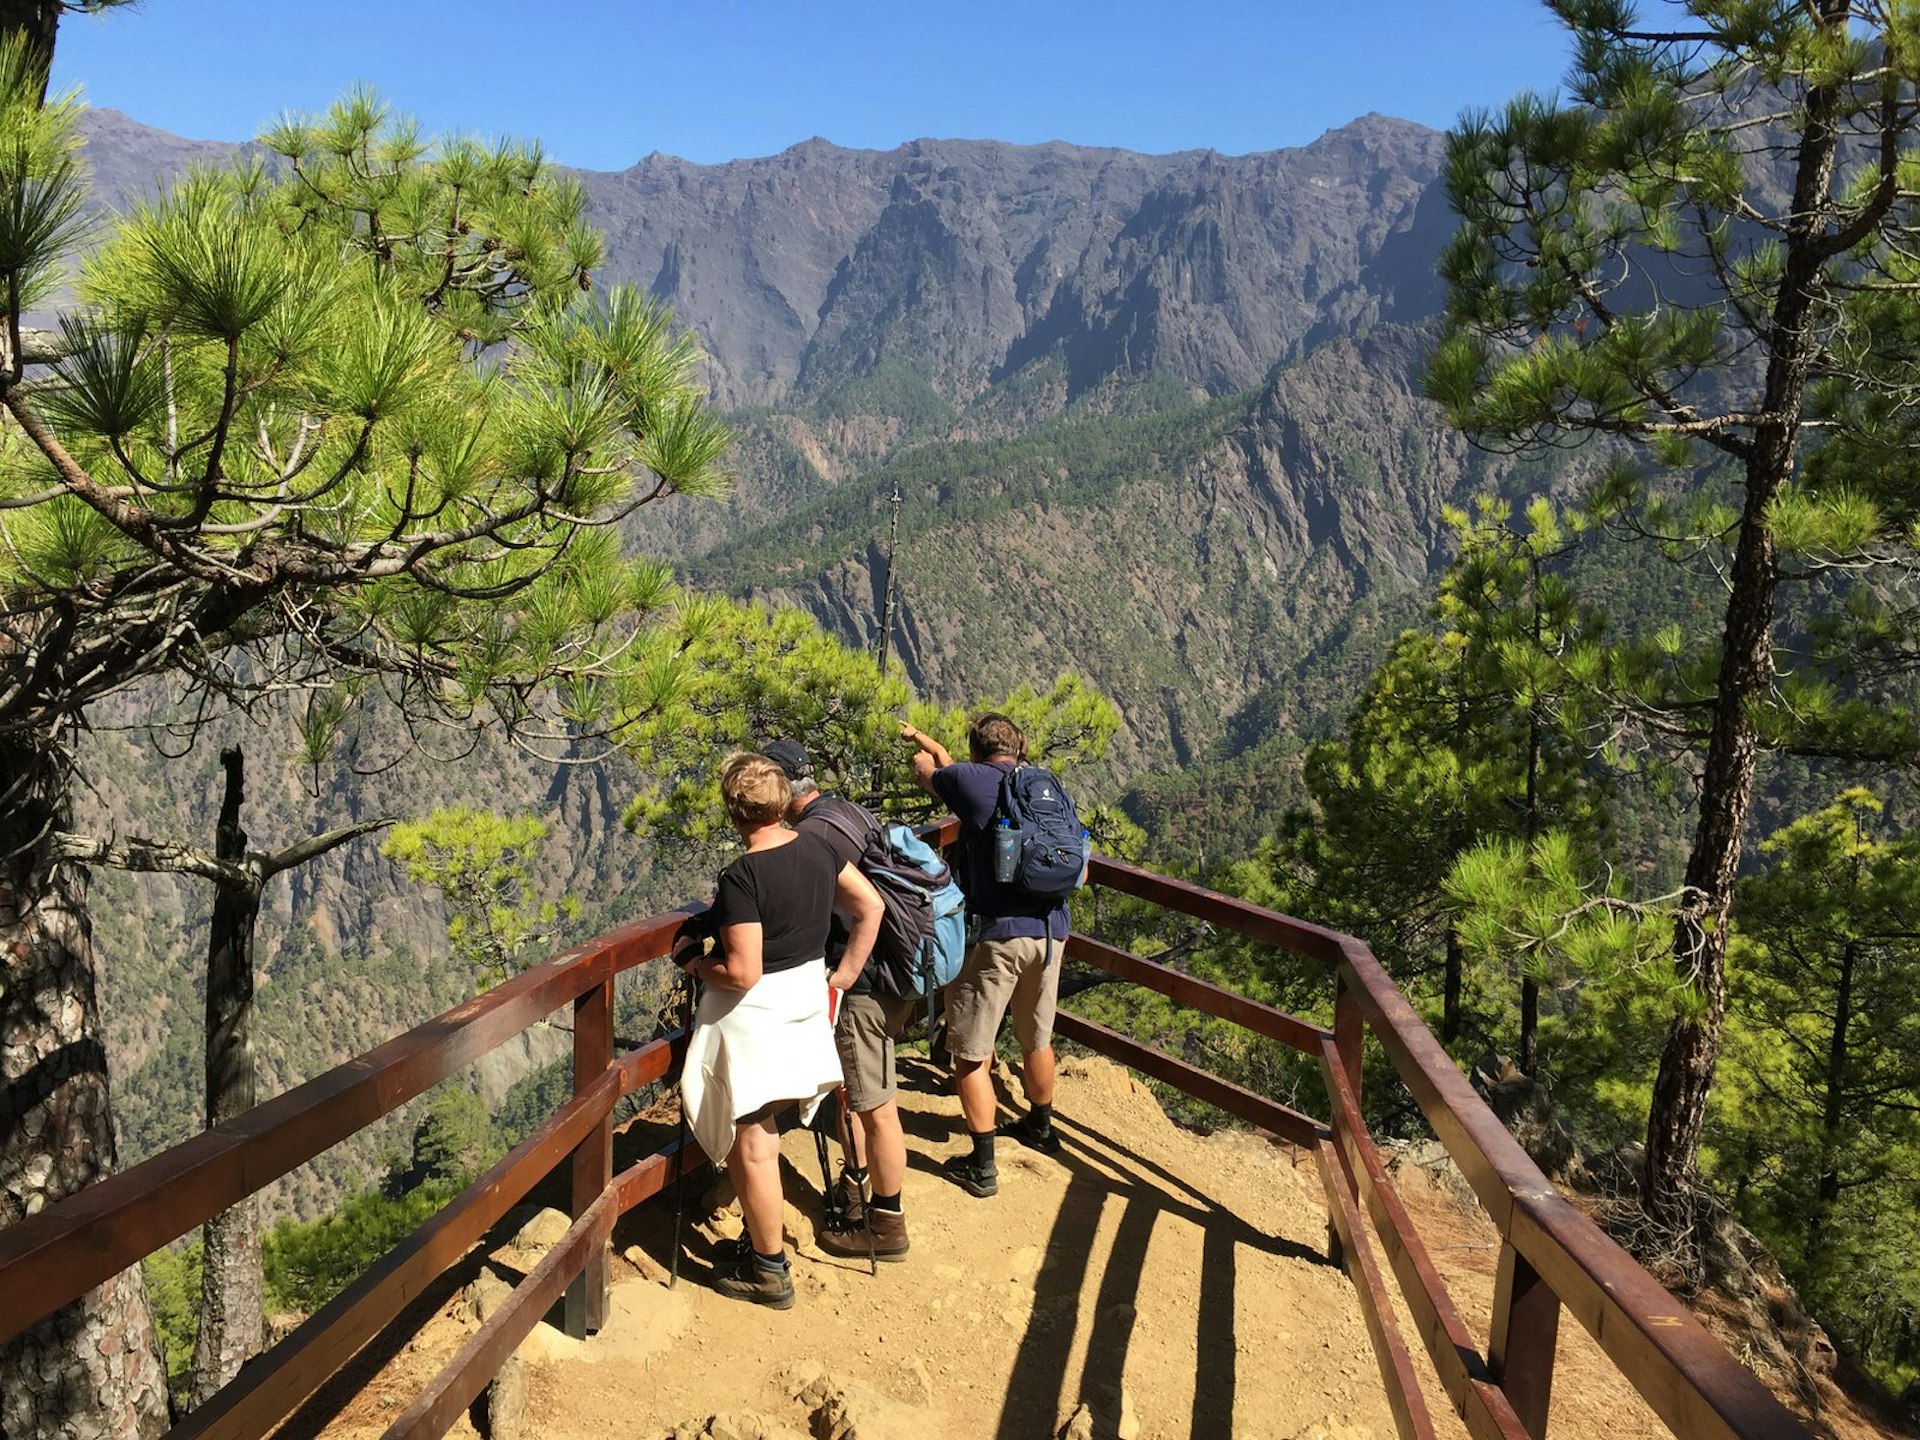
x=149 y=856
x=315 y=846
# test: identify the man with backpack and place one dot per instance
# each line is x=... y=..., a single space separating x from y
x=1012 y=964
x=864 y=1033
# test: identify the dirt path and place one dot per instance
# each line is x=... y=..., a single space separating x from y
x=1147 y=1282
x=1173 y=1284
x=1155 y=1276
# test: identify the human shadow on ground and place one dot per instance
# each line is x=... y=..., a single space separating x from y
x=1102 y=1171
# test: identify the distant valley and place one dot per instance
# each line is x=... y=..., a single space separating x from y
x=1155 y=418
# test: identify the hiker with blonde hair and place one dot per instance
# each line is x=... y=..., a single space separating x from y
x=761 y=1037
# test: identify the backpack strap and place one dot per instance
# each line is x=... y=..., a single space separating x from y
x=1007 y=803
x=831 y=811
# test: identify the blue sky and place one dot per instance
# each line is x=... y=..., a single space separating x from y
x=603 y=82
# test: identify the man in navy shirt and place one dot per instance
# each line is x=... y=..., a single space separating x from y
x=1008 y=969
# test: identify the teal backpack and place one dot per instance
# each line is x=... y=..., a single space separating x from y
x=946 y=946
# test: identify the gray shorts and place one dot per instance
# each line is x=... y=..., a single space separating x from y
x=864 y=1037
x=1000 y=978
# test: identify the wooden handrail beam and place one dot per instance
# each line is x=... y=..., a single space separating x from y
x=50 y=1259
x=435 y=1409
x=1659 y=1346
x=1269 y=1115
x=1264 y=1020
x=646 y=1178
x=1254 y=921
x=1397 y=1375
x=271 y=1386
x=1464 y=1373
x=1662 y=1350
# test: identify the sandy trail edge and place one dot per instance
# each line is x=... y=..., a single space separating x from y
x=1173 y=1284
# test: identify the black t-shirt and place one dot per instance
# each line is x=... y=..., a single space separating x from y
x=846 y=851
x=850 y=817
x=789 y=891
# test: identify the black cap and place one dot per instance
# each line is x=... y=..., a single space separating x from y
x=790 y=756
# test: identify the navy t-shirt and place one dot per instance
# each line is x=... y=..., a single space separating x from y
x=856 y=819
x=971 y=789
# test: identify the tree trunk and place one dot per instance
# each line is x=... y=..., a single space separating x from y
x=232 y=1324
x=1692 y=1051
x=1450 y=988
x=38 y=23
x=1530 y=987
x=1833 y=1110
x=93 y=1367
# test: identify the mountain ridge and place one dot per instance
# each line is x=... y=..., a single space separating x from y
x=1156 y=419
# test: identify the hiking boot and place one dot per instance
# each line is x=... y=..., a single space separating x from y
x=889 y=1238
x=974 y=1178
x=1043 y=1138
x=851 y=1196
x=732 y=1252
x=749 y=1280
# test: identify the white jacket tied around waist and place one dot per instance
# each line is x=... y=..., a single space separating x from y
x=754 y=1048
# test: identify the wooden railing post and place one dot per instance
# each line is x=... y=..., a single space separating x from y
x=1526 y=1332
x=586 y=1309
x=1349 y=1043
x=1349 y=1031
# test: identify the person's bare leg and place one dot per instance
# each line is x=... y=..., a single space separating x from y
x=755 y=1169
x=1036 y=1078
x=974 y=1080
x=886 y=1143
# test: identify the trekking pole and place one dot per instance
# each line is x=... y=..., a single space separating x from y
x=866 y=1213
x=831 y=1210
x=680 y=1149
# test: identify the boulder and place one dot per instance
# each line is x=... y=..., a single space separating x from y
x=507 y=1403
x=544 y=1231
x=1526 y=1109
x=734 y=1425
x=481 y=1298
x=649 y=1268
x=842 y=1409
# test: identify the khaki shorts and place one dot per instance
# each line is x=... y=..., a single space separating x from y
x=864 y=1037
x=998 y=978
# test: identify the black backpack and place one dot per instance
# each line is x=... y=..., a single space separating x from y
x=907 y=895
x=1048 y=844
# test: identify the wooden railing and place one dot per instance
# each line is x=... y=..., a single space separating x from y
x=1551 y=1256
x=50 y=1259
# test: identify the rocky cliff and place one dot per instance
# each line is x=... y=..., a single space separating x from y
x=1154 y=417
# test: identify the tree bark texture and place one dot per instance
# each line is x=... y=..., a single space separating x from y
x=92 y=1369
x=1833 y=1109
x=1451 y=985
x=1692 y=1050
x=232 y=1325
x=38 y=23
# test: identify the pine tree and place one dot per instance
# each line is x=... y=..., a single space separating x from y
x=1820 y=1138
x=278 y=450
x=1685 y=255
x=482 y=865
x=1463 y=738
